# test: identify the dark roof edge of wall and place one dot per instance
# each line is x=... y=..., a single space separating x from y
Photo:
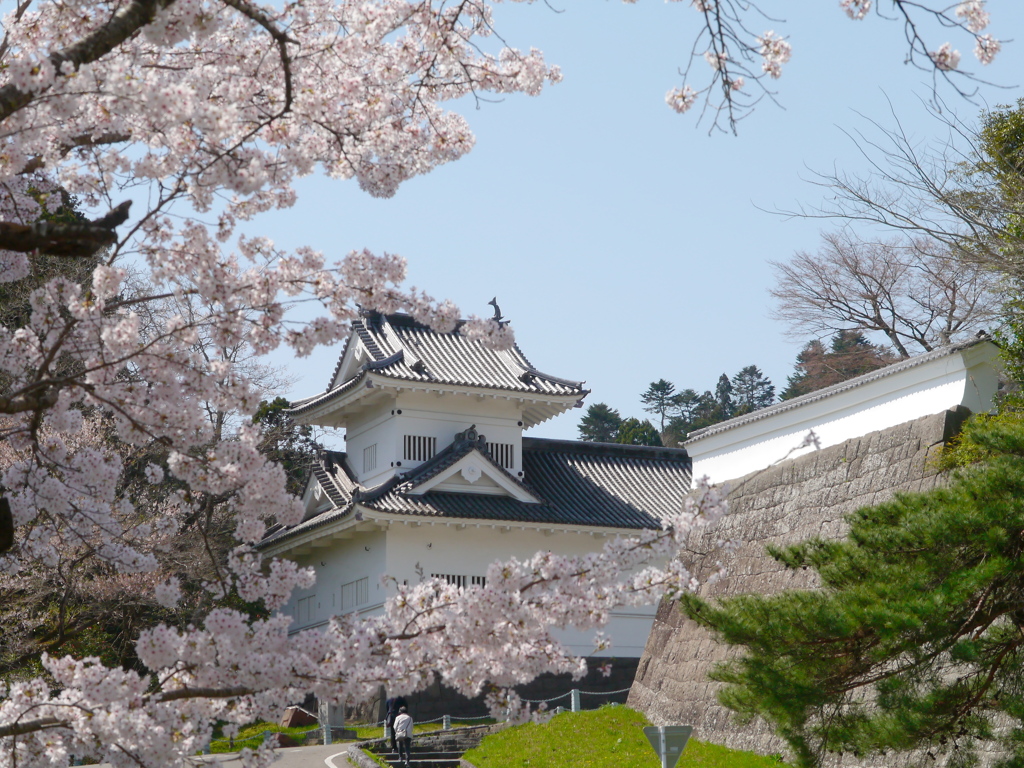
x=618 y=450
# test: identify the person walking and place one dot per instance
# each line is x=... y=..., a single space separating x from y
x=403 y=732
x=391 y=707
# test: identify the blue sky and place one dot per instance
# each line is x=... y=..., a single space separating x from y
x=624 y=243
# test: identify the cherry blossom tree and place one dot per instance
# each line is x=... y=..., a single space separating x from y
x=203 y=114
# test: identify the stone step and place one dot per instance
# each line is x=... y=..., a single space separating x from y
x=446 y=754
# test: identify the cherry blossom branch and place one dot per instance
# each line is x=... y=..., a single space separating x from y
x=122 y=25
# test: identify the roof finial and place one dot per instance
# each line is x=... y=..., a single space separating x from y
x=497 y=312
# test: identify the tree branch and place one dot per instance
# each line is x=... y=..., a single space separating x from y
x=121 y=26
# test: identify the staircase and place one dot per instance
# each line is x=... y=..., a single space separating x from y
x=437 y=749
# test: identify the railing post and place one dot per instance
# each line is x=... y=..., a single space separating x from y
x=574 y=697
x=323 y=714
x=446 y=723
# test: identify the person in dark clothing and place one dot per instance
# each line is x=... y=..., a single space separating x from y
x=391 y=707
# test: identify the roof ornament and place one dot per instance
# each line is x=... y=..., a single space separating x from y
x=497 y=312
x=470 y=437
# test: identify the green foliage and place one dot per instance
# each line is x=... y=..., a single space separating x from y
x=1001 y=145
x=252 y=736
x=376 y=758
x=290 y=444
x=723 y=397
x=963 y=450
x=636 y=432
x=600 y=424
x=660 y=399
x=751 y=390
x=610 y=737
x=921 y=613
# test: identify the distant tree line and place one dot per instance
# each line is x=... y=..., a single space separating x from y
x=677 y=413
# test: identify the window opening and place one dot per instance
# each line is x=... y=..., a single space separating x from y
x=355 y=593
x=419 y=448
x=503 y=453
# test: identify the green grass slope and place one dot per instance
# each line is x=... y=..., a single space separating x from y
x=610 y=737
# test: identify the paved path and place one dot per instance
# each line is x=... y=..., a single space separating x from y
x=329 y=756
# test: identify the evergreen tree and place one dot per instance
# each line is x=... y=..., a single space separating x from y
x=920 y=612
x=636 y=432
x=601 y=424
x=288 y=443
x=688 y=403
x=661 y=399
x=723 y=398
x=752 y=390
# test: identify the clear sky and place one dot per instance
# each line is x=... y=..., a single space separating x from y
x=624 y=243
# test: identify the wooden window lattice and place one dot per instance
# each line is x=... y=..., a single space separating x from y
x=503 y=453
x=460 y=580
x=419 y=448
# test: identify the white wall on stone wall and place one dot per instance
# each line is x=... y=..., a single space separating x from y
x=968 y=377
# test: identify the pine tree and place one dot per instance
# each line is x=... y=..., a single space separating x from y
x=752 y=390
x=290 y=444
x=661 y=399
x=915 y=639
x=601 y=424
x=723 y=398
x=636 y=432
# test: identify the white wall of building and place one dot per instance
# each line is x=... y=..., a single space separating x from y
x=968 y=378
x=405 y=550
x=383 y=430
x=341 y=563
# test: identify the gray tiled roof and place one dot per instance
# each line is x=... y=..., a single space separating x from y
x=588 y=484
x=843 y=386
x=406 y=350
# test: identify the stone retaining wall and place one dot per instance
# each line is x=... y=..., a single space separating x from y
x=437 y=700
x=795 y=500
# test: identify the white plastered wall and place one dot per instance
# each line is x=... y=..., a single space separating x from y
x=445 y=549
x=406 y=550
x=968 y=378
x=344 y=561
x=427 y=415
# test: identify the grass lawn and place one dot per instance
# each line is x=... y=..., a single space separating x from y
x=252 y=736
x=610 y=737
x=365 y=732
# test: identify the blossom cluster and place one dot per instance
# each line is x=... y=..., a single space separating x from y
x=856 y=9
x=758 y=60
x=774 y=53
x=234 y=670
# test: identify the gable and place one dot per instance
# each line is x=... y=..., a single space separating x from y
x=474 y=473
